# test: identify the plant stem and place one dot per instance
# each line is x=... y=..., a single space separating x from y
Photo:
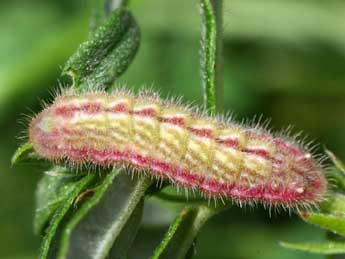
x=182 y=232
x=211 y=59
x=218 y=11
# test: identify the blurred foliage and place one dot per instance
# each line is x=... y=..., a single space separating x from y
x=283 y=59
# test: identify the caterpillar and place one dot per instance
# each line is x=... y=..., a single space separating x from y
x=217 y=157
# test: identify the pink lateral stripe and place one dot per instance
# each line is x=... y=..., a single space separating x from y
x=66 y=111
x=178 y=121
x=187 y=179
x=69 y=109
x=284 y=146
x=118 y=108
x=205 y=133
x=230 y=142
x=257 y=151
x=91 y=107
x=146 y=112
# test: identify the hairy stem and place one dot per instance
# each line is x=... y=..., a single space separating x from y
x=182 y=232
x=180 y=237
x=211 y=56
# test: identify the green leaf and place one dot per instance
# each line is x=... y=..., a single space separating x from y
x=335 y=205
x=107 y=53
x=46 y=251
x=116 y=63
x=22 y=153
x=337 y=176
x=105 y=219
x=331 y=222
x=332 y=218
x=336 y=161
x=98 y=15
x=332 y=215
x=336 y=179
x=102 y=9
x=330 y=247
x=126 y=238
x=180 y=236
x=52 y=190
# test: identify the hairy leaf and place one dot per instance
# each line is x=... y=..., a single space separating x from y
x=106 y=219
x=126 y=238
x=22 y=153
x=182 y=232
x=335 y=205
x=332 y=216
x=98 y=15
x=117 y=61
x=336 y=179
x=107 y=53
x=46 y=251
x=337 y=176
x=336 y=161
x=102 y=9
x=330 y=247
x=330 y=222
x=52 y=190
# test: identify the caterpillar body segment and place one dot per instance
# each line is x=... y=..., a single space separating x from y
x=171 y=141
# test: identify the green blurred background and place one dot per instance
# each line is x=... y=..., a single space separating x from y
x=284 y=59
